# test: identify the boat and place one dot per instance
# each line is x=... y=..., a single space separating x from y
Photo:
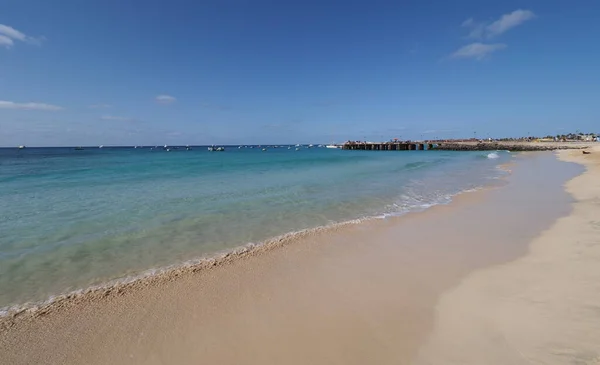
x=586 y=152
x=78 y=148
x=101 y=146
x=22 y=147
x=331 y=146
x=216 y=149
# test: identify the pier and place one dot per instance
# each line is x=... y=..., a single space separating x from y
x=388 y=146
x=468 y=145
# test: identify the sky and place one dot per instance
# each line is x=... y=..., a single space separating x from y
x=157 y=72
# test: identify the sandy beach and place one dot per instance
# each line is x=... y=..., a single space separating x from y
x=503 y=275
x=542 y=308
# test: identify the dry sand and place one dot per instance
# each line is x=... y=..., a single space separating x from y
x=360 y=294
x=543 y=308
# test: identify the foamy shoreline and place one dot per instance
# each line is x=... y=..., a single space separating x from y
x=10 y=314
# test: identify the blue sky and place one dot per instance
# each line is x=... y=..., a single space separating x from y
x=118 y=72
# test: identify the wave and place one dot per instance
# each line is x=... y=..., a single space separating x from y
x=493 y=155
x=167 y=273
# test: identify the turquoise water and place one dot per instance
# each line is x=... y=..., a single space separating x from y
x=70 y=219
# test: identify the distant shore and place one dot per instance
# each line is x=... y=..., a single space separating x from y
x=512 y=145
x=362 y=293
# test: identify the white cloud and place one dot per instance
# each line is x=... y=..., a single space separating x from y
x=480 y=30
x=100 y=106
x=165 y=99
x=29 y=106
x=12 y=33
x=508 y=21
x=467 y=23
x=117 y=118
x=477 y=50
x=9 y=34
x=5 y=41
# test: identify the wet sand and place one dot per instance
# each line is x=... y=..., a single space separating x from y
x=366 y=293
x=543 y=308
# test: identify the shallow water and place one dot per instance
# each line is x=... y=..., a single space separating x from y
x=71 y=219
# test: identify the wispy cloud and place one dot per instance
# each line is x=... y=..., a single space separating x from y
x=117 y=118
x=9 y=34
x=477 y=50
x=29 y=106
x=165 y=99
x=6 y=41
x=487 y=30
x=508 y=21
x=100 y=106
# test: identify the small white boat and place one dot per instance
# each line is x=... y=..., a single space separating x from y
x=101 y=146
x=331 y=146
x=22 y=147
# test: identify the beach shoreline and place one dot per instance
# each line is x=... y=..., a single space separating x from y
x=262 y=263
x=540 y=308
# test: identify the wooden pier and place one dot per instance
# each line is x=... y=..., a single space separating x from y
x=388 y=146
x=464 y=145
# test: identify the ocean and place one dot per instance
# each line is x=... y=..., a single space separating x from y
x=71 y=219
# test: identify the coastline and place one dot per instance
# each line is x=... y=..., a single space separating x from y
x=52 y=246
x=9 y=315
x=302 y=264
